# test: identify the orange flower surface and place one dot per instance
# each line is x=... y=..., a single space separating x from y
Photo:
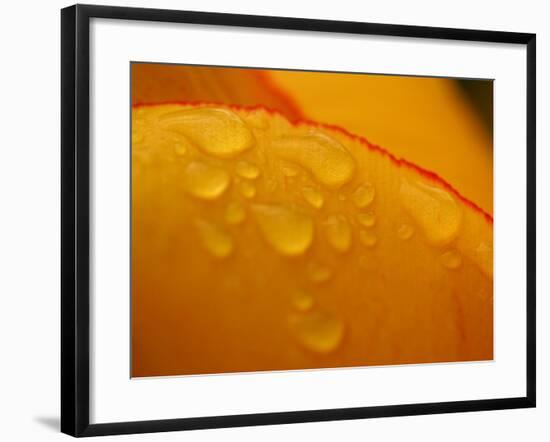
x=261 y=241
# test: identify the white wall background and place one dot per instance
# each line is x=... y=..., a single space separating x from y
x=29 y=220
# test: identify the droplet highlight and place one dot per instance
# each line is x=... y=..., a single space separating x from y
x=204 y=181
x=289 y=231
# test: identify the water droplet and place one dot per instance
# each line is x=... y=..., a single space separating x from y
x=367 y=219
x=216 y=131
x=247 y=170
x=338 y=232
x=451 y=259
x=288 y=231
x=434 y=209
x=247 y=189
x=235 y=213
x=216 y=240
x=318 y=272
x=324 y=157
x=313 y=197
x=204 y=181
x=368 y=238
x=302 y=301
x=317 y=331
x=363 y=195
x=405 y=232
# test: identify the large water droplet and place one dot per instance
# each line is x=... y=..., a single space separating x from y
x=317 y=331
x=338 y=232
x=288 y=231
x=363 y=195
x=324 y=157
x=235 y=213
x=247 y=170
x=219 y=132
x=451 y=259
x=434 y=209
x=204 y=181
x=216 y=240
x=313 y=197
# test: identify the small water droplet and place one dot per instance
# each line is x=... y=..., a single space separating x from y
x=248 y=190
x=451 y=259
x=247 y=170
x=405 y=232
x=367 y=219
x=317 y=331
x=368 y=238
x=338 y=232
x=218 y=132
x=434 y=209
x=216 y=240
x=483 y=257
x=235 y=213
x=318 y=272
x=324 y=157
x=288 y=231
x=302 y=301
x=313 y=197
x=204 y=181
x=363 y=195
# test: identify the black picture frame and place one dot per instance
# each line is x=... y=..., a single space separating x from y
x=75 y=212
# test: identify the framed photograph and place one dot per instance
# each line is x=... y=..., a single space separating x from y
x=273 y=220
